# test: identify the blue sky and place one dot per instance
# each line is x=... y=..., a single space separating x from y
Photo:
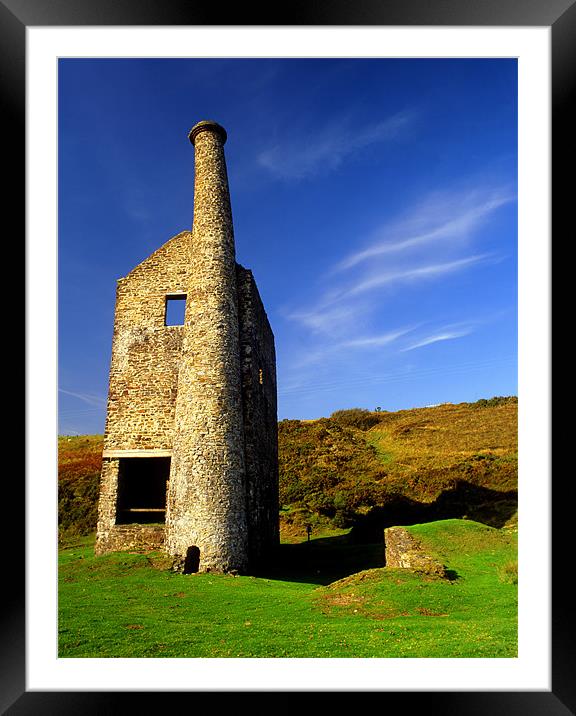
x=374 y=200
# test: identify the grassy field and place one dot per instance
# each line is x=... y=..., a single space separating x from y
x=326 y=598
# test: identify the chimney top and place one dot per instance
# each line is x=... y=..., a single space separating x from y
x=207 y=125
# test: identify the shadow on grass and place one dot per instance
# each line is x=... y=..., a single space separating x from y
x=321 y=561
x=325 y=560
x=463 y=500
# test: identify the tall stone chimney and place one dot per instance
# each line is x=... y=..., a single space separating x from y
x=206 y=521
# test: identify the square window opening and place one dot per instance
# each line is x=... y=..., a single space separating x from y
x=142 y=487
x=175 y=310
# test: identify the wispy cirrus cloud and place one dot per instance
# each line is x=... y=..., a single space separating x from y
x=435 y=338
x=339 y=308
x=307 y=154
x=326 y=318
x=413 y=273
x=433 y=240
x=407 y=251
x=358 y=343
x=90 y=398
x=441 y=218
x=378 y=340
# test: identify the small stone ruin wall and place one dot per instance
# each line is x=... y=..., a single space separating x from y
x=403 y=550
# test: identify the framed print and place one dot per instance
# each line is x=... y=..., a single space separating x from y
x=36 y=41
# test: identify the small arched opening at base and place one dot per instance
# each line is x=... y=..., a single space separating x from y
x=192 y=560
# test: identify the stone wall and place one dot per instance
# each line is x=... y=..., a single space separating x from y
x=145 y=352
x=260 y=417
x=143 y=379
x=107 y=504
x=403 y=550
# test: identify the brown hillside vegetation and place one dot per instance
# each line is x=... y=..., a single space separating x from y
x=359 y=468
x=79 y=465
x=420 y=464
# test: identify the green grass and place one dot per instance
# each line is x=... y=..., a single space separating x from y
x=473 y=615
x=326 y=598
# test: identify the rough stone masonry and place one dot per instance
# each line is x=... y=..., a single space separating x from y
x=190 y=460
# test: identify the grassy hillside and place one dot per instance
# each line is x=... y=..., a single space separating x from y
x=326 y=598
x=359 y=468
x=79 y=465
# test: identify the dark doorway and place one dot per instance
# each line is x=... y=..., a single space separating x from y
x=142 y=490
x=192 y=561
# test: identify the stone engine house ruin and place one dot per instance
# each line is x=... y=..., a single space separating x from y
x=190 y=460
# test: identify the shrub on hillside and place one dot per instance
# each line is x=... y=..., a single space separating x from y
x=355 y=418
x=492 y=471
x=78 y=506
x=327 y=468
x=496 y=400
x=78 y=485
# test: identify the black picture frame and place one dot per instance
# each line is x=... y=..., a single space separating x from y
x=560 y=16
